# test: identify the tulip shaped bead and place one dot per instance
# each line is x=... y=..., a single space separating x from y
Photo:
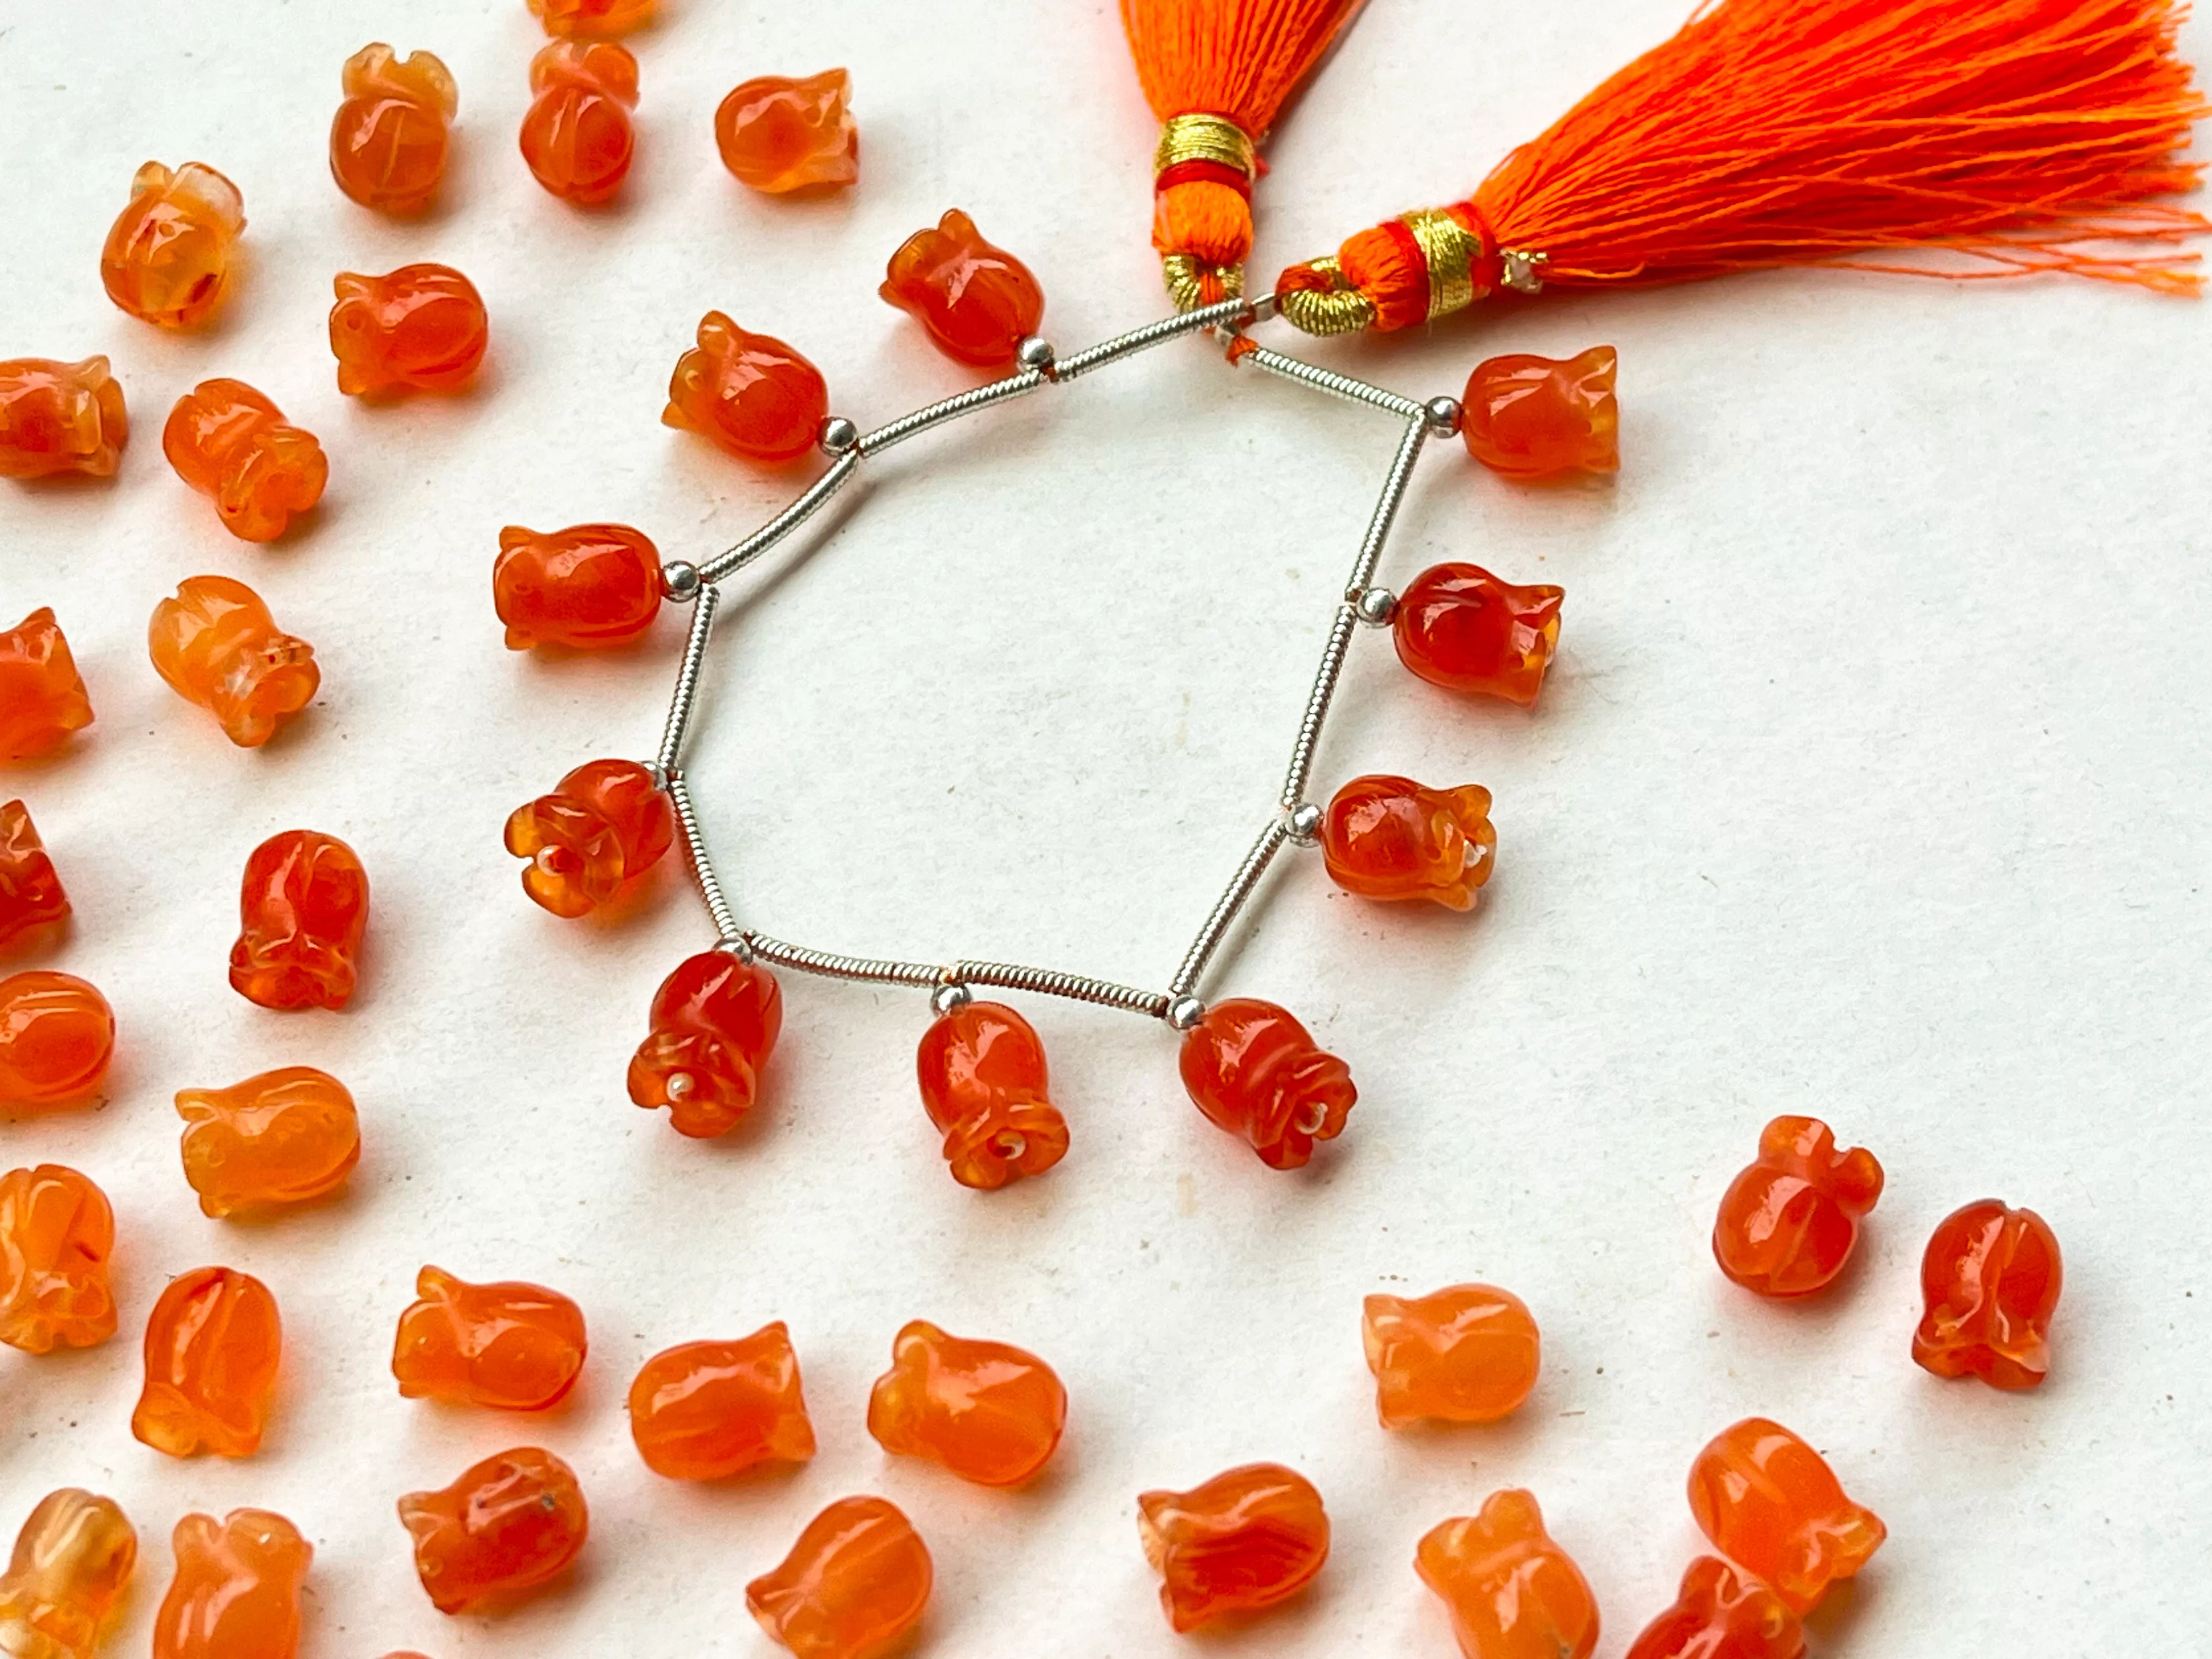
x=853 y=1585
x=42 y=697
x=704 y=1410
x=1722 y=1614
x=777 y=134
x=507 y=1525
x=577 y=137
x=218 y=647
x=1459 y=627
x=1772 y=1505
x=1255 y=1071
x=65 y=1585
x=978 y=302
x=1788 y=1222
x=510 y=1345
x=57 y=1233
x=1387 y=837
x=420 y=328
x=590 y=586
x=983 y=1072
x=1530 y=418
x=56 y=1037
x=713 y=1023
x=302 y=909
x=31 y=897
x=1991 y=1281
x=1468 y=1353
x=603 y=827
x=391 y=137
x=1512 y=1593
x=988 y=1411
x=167 y=259
x=749 y=393
x=1249 y=1538
x=212 y=1348
x=236 y=1595
x=281 y=1137
x=226 y=440
x=60 y=418
x=592 y=19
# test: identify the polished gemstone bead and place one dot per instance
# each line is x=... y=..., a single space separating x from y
x=32 y=901
x=603 y=827
x=419 y=328
x=236 y=1595
x=1772 y=1505
x=280 y=1138
x=989 y=1412
x=1255 y=1071
x=713 y=1023
x=60 y=418
x=218 y=647
x=704 y=1410
x=1788 y=1223
x=1722 y=1614
x=212 y=1348
x=1467 y=1354
x=1389 y=838
x=1530 y=418
x=777 y=134
x=592 y=19
x=168 y=256
x=1512 y=1591
x=853 y=1585
x=226 y=440
x=577 y=137
x=391 y=137
x=978 y=302
x=1990 y=1280
x=589 y=586
x=982 y=1073
x=510 y=1345
x=57 y=1233
x=1249 y=1538
x=1459 y=627
x=302 y=909
x=65 y=1585
x=507 y=1525
x=42 y=697
x=749 y=393
x=56 y=1036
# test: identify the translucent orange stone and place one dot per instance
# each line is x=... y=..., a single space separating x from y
x=212 y=1348
x=1387 y=837
x=714 y=1022
x=589 y=586
x=1788 y=1223
x=226 y=440
x=390 y=138
x=1459 y=627
x=510 y=1345
x=1772 y=1505
x=1721 y=1613
x=42 y=697
x=1531 y=417
x=1990 y=1280
x=420 y=328
x=1255 y=1071
x=591 y=18
x=1468 y=1353
x=218 y=647
x=1512 y=1593
x=60 y=418
x=853 y=1585
x=777 y=134
x=57 y=1233
x=577 y=137
x=704 y=1410
x=56 y=1036
x=31 y=896
x=988 y=1411
x=167 y=258
x=1249 y=1538
x=982 y=1073
x=302 y=909
x=505 y=1525
x=978 y=302
x=236 y=1595
x=65 y=1585
x=603 y=827
x=280 y=1138
x=749 y=393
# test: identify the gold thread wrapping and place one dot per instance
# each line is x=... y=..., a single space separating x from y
x=1186 y=282
x=1448 y=249
x=1337 y=309
x=1199 y=137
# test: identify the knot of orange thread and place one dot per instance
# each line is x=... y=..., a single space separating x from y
x=1202 y=174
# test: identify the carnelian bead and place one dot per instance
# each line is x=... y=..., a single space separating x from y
x=591 y=18
x=226 y=440
x=389 y=137
x=218 y=646
x=1249 y=1538
x=42 y=697
x=56 y=1036
x=1990 y=1278
x=167 y=258
x=510 y=1345
x=704 y=1410
x=714 y=1022
x=1387 y=837
x=1772 y=1505
x=236 y=1595
x=982 y=1073
x=1788 y=1223
x=1512 y=1591
x=1530 y=418
x=988 y=1411
x=57 y=1233
x=589 y=586
x=212 y=1348
x=280 y=1138
x=855 y=1583
x=749 y=393
x=978 y=302
x=603 y=827
x=1255 y=1071
x=30 y=896
x=1721 y=1613
x=60 y=418
x=1459 y=627
x=1468 y=1353
x=302 y=908
x=65 y=1585
x=577 y=137
x=419 y=328
x=507 y=1524
x=777 y=134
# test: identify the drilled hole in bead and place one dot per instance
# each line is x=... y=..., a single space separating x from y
x=1310 y=1121
x=1009 y=1145
x=557 y=861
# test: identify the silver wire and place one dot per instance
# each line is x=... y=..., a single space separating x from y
x=737 y=558
x=1329 y=380
x=1227 y=312
x=1225 y=908
x=702 y=867
x=681 y=706
x=949 y=409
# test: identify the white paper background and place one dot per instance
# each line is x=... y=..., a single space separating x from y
x=1870 y=783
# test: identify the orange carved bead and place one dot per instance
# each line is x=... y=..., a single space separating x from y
x=31 y=896
x=592 y=19
x=60 y=418
x=42 y=697
x=57 y=1233
x=749 y=393
x=218 y=646
x=1772 y=1505
x=577 y=137
x=1990 y=1278
x=419 y=328
x=212 y=1348
x=1459 y=627
x=777 y=134
x=510 y=1345
x=280 y=1138
x=1255 y=1071
x=1468 y=1353
x=603 y=827
x=1530 y=418
x=1387 y=837
x=62 y=1591
x=982 y=1073
x=1249 y=1538
x=302 y=909
x=507 y=1525
x=236 y=1595
x=391 y=137
x=167 y=258
x=1788 y=1223
x=1721 y=1613
x=988 y=1411
x=977 y=301
x=704 y=1410
x=589 y=586
x=56 y=1036
x=1512 y=1593
x=226 y=440
x=855 y=1583
x=713 y=1023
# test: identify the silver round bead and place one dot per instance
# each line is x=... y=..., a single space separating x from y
x=1444 y=415
x=1375 y=606
x=1185 y=1012
x=679 y=579
x=1035 y=352
x=950 y=995
x=739 y=947
x=1305 y=823
x=838 y=435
